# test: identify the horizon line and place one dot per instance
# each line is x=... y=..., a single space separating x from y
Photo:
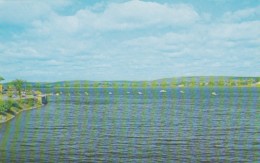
x=207 y=76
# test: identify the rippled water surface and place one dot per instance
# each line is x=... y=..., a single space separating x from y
x=122 y=125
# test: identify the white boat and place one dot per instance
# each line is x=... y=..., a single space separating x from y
x=57 y=94
x=110 y=93
x=182 y=91
x=140 y=93
x=214 y=93
x=163 y=91
x=86 y=93
x=127 y=92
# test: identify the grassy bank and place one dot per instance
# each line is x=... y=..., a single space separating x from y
x=10 y=108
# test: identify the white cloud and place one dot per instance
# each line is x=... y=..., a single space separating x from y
x=18 y=51
x=235 y=31
x=252 y=13
x=215 y=41
x=137 y=14
x=21 y=13
x=53 y=62
x=127 y=40
x=121 y=16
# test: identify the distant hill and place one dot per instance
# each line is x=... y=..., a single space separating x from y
x=202 y=80
x=207 y=78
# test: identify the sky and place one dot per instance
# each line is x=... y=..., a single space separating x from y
x=128 y=40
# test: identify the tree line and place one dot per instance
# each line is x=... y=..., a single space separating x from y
x=17 y=84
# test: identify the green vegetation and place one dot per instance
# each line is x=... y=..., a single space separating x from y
x=203 y=81
x=18 y=84
x=10 y=105
x=209 y=82
x=1 y=87
x=9 y=108
x=1 y=78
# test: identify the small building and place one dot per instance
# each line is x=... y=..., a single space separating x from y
x=42 y=99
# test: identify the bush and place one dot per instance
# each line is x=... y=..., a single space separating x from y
x=37 y=92
x=5 y=106
x=10 y=111
x=29 y=102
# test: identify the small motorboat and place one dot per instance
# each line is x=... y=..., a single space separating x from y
x=163 y=91
x=214 y=93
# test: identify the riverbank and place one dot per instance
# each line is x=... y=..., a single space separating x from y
x=8 y=117
x=9 y=109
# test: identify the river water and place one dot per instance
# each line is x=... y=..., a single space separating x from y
x=137 y=125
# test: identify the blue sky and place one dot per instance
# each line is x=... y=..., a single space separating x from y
x=128 y=40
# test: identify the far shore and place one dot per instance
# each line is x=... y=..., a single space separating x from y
x=255 y=86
